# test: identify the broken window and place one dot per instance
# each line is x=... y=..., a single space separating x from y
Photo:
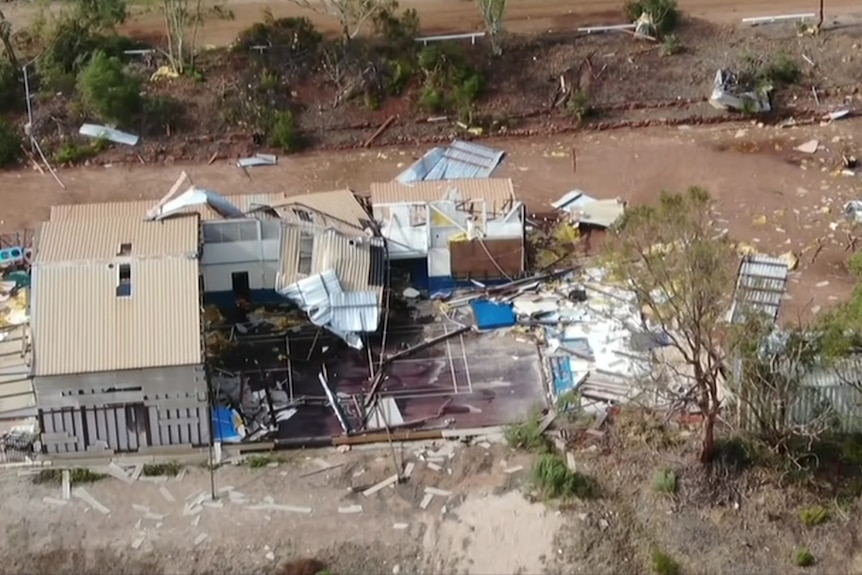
x=418 y=215
x=303 y=215
x=125 y=250
x=124 y=280
x=306 y=250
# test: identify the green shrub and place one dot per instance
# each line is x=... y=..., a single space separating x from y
x=665 y=481
x=432 y=99
x=163 y=112
x=284 y=134
x=554 y=480
x=72 y=153
x=258 y=461
x=398 y=33
x=803 y=557
x=295 y=35
x=664 y=564
x=527 y=434
x=783 y=71
x=168 y=469
x=665 y=13
x=813 y=516
x=108 y=91
x=400 y=73
x=672 y=45
x=10 y=144
x=76 y=475
x=580 y=107
x=11 y=88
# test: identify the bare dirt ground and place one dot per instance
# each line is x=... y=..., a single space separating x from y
x=484 y=522
x=770 y=196
x=452 y=16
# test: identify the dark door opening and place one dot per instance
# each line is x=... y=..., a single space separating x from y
x=240 y=286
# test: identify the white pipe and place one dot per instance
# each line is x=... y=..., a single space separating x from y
x=771 y=19
x=592 y=29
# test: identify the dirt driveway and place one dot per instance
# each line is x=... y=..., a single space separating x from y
x=291 y=506
x=451 y=16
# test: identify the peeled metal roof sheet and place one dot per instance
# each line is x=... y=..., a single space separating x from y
x=461 y=160
x=760 y=286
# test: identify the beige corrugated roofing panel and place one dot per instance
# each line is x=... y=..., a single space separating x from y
x=341 y=205
x=68 y=240
x=498 y=192
x=80 y=325
x=351 y=260
x=16 y=387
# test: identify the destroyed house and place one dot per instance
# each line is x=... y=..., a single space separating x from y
x=116 y=333
x=447 y=232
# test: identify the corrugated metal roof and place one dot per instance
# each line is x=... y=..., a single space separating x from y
x=80 y=325
x=356 y=261
x=339 y=210
x=461 y=160
x=100 y=239
x=760 y=287
x=498 y=193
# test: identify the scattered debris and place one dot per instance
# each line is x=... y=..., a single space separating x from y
x=380 y=486
x=729 y=94
x=379 y=132
x=808 y=147
x=257 y=160
x=351 y=509
x=426 y=501
x=278 y=507
x=200 y=538
x=400 y=526
x=438 y=492
x=514 y=469
x=54 y=501
x=84 y=496
x=100 y=132
x=138 y=542
x=167 y=494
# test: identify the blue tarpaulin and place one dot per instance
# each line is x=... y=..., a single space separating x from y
x=492 y=315
x=225 y=426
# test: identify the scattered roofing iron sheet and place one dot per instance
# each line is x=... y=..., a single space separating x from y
x=257 y=160
x=573 y=199
x=601 y=213
x=327 y=305
x=461 y=160
x=106 y=133
x=760 y=287
x=497 y=193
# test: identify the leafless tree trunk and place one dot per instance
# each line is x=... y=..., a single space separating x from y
x=351 y=14
x=6 y=39
x=492 y=12
x=820 y=19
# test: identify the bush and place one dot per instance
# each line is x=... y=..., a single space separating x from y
x=284 y=134
x=11 y=88
x=665 y=481
x=398 y=33
x=108 y=91
x=164 y=113
x=527 y=434
x=432 y=99
x=665 y=13
x=812 y=516
x=72 y=153
x=10 y=144
x=449 y=80
x=783 y=71
x=803 y=557
x=580 y=107
x=553 y=478
x=169 y=469
x=292 y=35
x=672 y=45
x=664 y=564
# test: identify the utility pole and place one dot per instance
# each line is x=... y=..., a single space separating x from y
x=820 y=20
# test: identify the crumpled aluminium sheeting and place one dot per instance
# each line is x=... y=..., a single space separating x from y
x=346 y=314
x=727 y=94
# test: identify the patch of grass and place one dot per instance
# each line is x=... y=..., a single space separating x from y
x=803 y=558
x=284 y=133
x=72 y=153
x=665 y=481
x=737 y=453
x=76 y=475
x=168 y=469
x=672 y=45
x=526 y=434
x=813 y=516
x=553 y=478
x=258 y=461
x=783 y=71
x=664 y=564
x=580 y=107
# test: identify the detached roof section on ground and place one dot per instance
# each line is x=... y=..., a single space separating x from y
x=82 y=323
x=461 y=160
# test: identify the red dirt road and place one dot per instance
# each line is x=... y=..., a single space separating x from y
x=439 y=16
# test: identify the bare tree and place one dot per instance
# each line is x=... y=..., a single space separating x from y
x=6 y=40
x=493 y=12
x=183 y=19
x=769 y=383
x=820 y=18
x=683 y=274
x=351 y=14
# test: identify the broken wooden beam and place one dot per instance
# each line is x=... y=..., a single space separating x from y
x=379 y=132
